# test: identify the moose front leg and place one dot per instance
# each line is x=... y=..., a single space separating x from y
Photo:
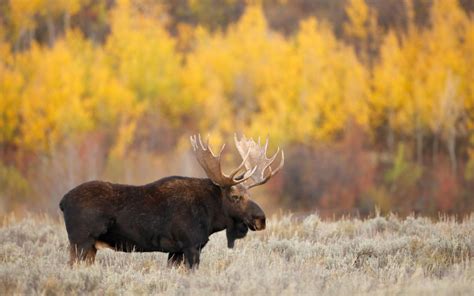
x=175 y=259
x=82 y=253
x=191 y=256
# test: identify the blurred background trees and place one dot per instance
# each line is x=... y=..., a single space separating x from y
x=372 y=100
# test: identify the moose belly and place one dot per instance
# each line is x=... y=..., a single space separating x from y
x=118 y=240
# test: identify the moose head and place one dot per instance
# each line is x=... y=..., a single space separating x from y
x=254 y=170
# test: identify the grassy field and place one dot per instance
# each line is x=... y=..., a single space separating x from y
x=382 y=255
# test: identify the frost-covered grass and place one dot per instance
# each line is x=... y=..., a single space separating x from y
x=383 y=255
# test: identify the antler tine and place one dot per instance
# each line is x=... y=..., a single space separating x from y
x=202 y=145
x=212 y=166
x=258 y=158
x=249 y=174
x=205 y=158
x=272 y=159
x=266 y=147
x=220 y=152
x=272 y=172
x=232 y=175
x=193 y=142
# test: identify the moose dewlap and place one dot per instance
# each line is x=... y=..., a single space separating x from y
x=175 y=214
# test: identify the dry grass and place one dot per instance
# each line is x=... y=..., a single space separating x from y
x=307 y=257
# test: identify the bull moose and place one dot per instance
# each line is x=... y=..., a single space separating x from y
x=175 y=214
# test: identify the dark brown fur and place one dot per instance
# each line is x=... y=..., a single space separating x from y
x=175 y=215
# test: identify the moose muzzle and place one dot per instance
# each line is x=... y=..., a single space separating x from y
x=257 y=217
x=259 y=223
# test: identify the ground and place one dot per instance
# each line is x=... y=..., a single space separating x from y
x=293 y=256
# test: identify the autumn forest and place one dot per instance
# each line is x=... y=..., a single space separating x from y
x=372 y=101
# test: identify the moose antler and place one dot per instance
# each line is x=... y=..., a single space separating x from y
x=212 y=164
x=254 y=155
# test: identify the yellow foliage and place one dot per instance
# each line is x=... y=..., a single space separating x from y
x=334 y=87
x=223 y=72
x=358 y=14
x=254 y=80
x=421 y=78
x=143 y=56
x=52 y=102
x=362 y=28
x=301 y=88
x=11 y=82
x=22 y=12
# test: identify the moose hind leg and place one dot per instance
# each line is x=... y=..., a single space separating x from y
x=83 y=229
x=175 y=259
x=82 y=253
x=191 y=256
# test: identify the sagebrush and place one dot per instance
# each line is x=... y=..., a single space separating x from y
x=294 y=256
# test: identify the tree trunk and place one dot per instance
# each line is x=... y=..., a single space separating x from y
x=390 y=134
x=67 y=21
x=435 y=147
x=51 y=31
x=452 y=150
x=419 y=144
